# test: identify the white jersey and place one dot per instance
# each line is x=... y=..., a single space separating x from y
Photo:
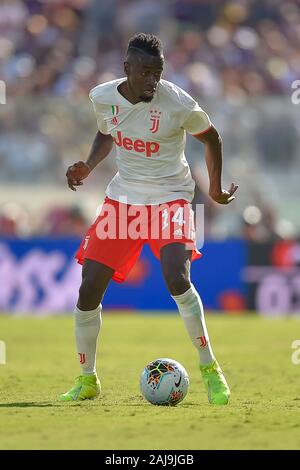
x=150 y=141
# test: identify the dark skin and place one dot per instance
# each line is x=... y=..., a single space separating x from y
x=213 y=157
x=143 y=73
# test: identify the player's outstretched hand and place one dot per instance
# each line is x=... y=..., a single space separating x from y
x=76 y=173
x=225 y=197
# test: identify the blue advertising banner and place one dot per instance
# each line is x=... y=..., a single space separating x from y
x=40 y=276
x=272 y=277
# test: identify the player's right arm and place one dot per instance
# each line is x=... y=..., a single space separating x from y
x=77 y=172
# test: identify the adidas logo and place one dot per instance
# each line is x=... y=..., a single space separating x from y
x=178 y=232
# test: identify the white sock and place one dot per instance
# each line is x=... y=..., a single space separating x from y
x=87 y=327
x=191 y=310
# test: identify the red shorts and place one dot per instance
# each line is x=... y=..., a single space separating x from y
x=117 y=236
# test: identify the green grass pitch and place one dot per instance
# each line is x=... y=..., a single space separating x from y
x=255 y=354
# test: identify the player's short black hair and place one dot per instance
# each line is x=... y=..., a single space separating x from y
x=148 y=43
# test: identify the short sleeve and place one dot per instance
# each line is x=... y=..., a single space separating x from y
x=197 y=121
x=102 y=126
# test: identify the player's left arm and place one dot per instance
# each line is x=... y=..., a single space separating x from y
x=213 y=156
x=198 y=124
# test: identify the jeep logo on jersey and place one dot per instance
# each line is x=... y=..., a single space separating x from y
x=155 y=119
x=138 y=145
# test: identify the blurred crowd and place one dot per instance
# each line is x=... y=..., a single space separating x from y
x=57 y=221
x=212 y=47
x=224 y=52
x=255 y=223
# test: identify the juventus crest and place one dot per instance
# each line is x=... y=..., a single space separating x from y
x=155 y=120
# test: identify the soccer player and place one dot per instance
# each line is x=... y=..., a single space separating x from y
x=147 y=118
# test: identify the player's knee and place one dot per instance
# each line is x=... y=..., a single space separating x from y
x=177 y=283
x=90 y=295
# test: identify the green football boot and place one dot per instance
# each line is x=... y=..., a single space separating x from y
x=86 y=387
x=216 y=385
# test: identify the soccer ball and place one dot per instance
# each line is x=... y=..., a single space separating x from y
x=164 y=382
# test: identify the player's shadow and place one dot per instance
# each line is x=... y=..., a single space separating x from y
x=26 y=404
